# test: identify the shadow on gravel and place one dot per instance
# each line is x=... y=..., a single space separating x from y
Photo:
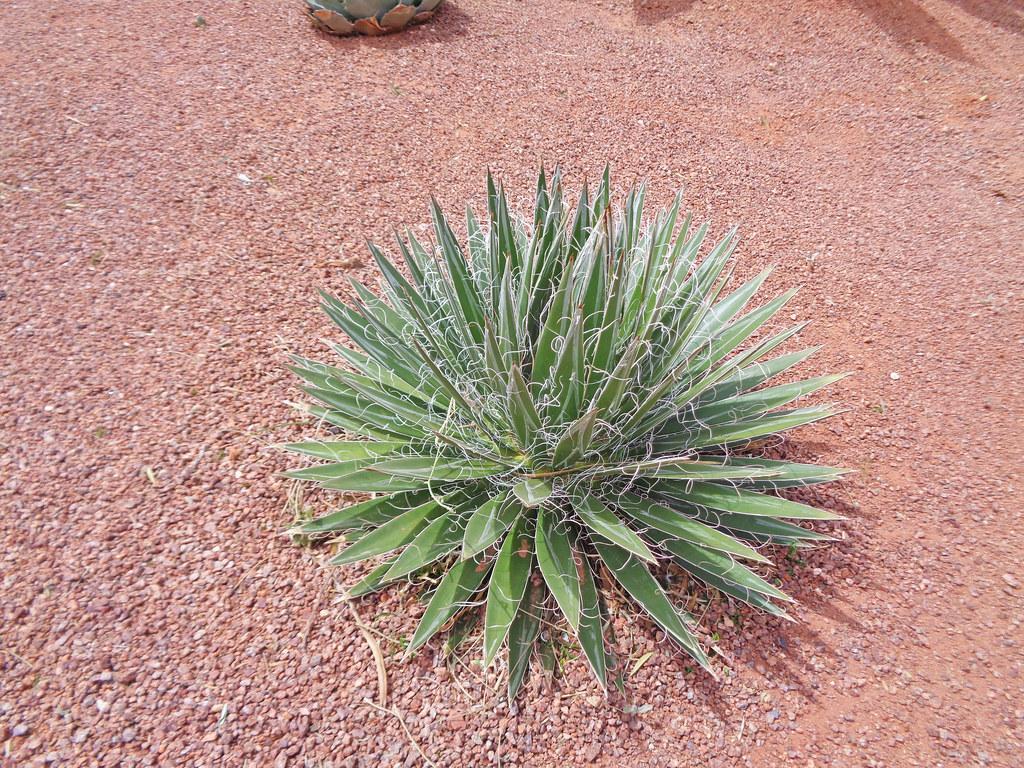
x=907 y=23
x=787 y=653
x=817 y=579
x=1005 y=14
x=649 y=12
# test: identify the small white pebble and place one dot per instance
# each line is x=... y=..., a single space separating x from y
x=894 y=376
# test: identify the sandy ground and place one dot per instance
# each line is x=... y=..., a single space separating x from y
x=171 y=194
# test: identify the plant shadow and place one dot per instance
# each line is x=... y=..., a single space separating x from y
x=906 y=22
x=1005 y=14
x=648 y=12
x=815 y=578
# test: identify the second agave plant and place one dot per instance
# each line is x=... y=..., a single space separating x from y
x=555 y=406
x=369 y=17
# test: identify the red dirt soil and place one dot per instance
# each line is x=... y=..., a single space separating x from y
x=171 y=194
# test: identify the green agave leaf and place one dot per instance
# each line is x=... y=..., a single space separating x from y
x=366 y=513
x=702 y=376
x=439 y=468
x=386 y=378
x=600 y=349
x=566 y=381
x=753 y=376
x=684 y=303
x=400 y=287
x=352 y=426
x=461 y=631
x=509 y=335
x=488 y=522
x=786 y=474
x=722 y=566
x=575 y=440
x=369 y=306
x=726 y=309
x=472 y=449
x=593 y=270
x=661 y=261
x=743 y=431
x=458 y=271
x=509 y=578
x=591 y=629
x=438 y=539
x=762 y=348
x=504 y=247
x=602 y=200
x=368 y=480
x=748 y=596
x=684 y=468
x=468 y=409
x=523 y=412
x=387 y=351
x=558 y=565
x=485 y=270
x=393 y=534
x=610 y=396
x=740 y=330
x=494 y=356
x=641 y=586
x=437 y=341
x=451 y=595
x=324 y=472
x=361 y=410
x=602 y=521
x=755 y=403
x=744 y=502
x=766 y=530
x=545 y=356
x=408 y=415
x=669 y=521
x=373 y=581
x=344 y=450
x=521 y=636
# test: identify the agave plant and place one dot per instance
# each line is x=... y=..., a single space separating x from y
x=564 y=404
x=369 y=17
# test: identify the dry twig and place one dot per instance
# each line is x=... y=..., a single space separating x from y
x=378 y=657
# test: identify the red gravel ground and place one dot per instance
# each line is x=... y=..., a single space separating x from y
x=171 y=194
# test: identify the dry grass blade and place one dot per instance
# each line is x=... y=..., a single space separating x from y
x=378 y=657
